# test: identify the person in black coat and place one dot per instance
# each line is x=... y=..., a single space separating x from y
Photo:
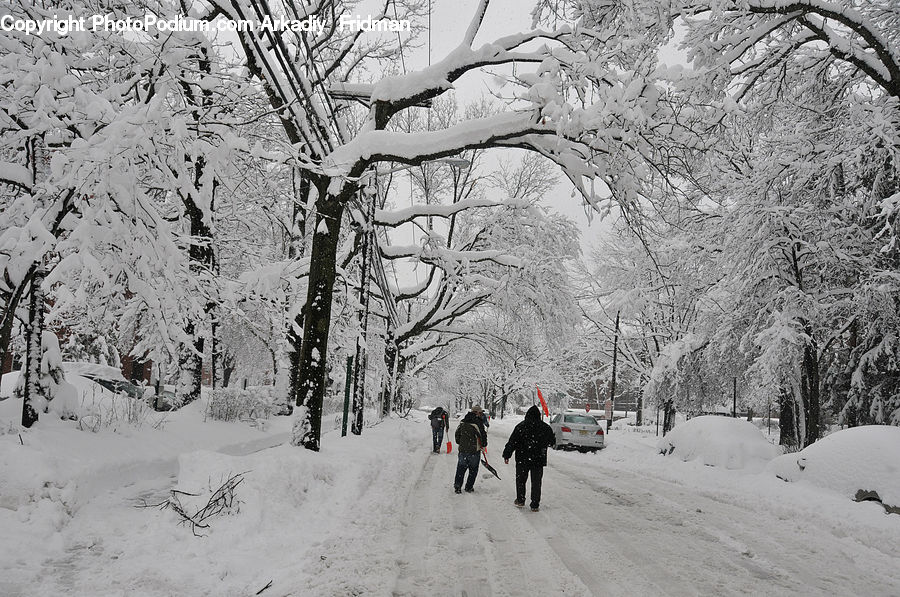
x=529 y=440
x=440 y=422
x=470 y=439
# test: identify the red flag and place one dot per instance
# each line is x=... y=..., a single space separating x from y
x=543 y=403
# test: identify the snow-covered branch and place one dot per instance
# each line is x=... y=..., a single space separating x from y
x=402 y=216
x=441 y=255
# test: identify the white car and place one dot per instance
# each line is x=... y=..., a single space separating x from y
x=577 y=431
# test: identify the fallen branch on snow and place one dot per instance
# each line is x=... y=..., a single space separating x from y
x=221 y=501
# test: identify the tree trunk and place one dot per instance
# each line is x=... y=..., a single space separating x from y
x=201 y=257
x=296 y=250
x=400 y=403
x=9 y=314
x=390 y=362
x=295 y=343
x=787 y=427
x=359 y=395
x=229 y=364
x=668 y=416
x=317 y=320
x=33 y=355
x=809 y=391
x=359 y=371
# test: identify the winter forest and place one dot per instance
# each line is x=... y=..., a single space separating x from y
x=298 y=209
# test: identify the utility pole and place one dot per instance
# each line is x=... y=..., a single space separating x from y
x=612 y=382
x=734 y=398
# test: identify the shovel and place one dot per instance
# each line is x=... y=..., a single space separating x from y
x=449 y=447
x=485 y=463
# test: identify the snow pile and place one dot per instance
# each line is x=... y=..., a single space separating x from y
x=49 y=473
x=849 y=461
x=719 y=441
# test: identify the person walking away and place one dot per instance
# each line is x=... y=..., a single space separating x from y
x=470 y=438
x=529 y=440
x=485 y=419
x=440 y=422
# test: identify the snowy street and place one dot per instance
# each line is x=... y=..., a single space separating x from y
x=376 y=515
x=255 y=256
x=604 y=530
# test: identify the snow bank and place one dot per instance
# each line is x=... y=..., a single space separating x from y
x=847 y=461
x=719 y=441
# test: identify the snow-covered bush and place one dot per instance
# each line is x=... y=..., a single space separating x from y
x=231 y=404
x=719 y=441
x=119 y=411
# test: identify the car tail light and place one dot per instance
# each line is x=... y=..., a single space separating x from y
x=566 y=430
x=599 y=432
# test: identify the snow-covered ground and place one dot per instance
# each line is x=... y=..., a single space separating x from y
x=376 y=515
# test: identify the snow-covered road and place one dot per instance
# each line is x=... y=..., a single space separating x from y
x=376 y=515
x=603 y=530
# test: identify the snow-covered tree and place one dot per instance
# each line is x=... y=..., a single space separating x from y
x=575 y=109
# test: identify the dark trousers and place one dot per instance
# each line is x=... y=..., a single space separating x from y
x=537 y=475
x=437 y=436
x=467 y=462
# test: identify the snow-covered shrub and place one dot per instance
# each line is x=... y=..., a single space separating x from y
x=125 y=410
x=232 y=404
x=104 y=409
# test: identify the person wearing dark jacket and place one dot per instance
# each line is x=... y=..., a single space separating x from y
x=529 y=440
x=440 y=422
x=470 y=439
x=483 y=420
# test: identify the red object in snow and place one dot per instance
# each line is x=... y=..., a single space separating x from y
x=449 y=447
x=543 y=403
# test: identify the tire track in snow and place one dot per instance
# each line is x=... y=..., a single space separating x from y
x=474 y=545
x=421 y=528
x=591 y=546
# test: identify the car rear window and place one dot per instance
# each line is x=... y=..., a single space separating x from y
x=581 y=419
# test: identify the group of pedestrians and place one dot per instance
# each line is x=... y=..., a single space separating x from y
x=529 y=441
